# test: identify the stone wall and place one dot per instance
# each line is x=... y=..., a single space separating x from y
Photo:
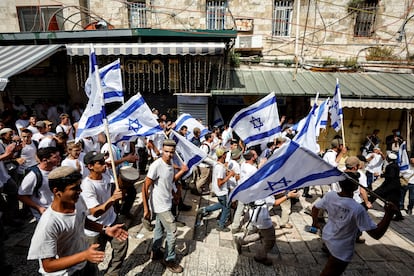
x=329 y=27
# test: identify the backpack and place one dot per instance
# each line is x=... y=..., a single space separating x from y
x=39 y=179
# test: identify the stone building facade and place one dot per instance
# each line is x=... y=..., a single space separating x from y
x=275 y=30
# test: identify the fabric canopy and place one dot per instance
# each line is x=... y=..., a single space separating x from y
x=116 y=49
x=16 y=59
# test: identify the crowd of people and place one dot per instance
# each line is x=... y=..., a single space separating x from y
x=72 y=191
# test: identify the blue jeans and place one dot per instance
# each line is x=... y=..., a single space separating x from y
x=165 y=221
x=410 y=189
x=225 y=209
x=370 y=179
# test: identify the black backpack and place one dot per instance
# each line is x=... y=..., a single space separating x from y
x=39 y=179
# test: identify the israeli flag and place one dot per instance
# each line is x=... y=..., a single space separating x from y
x=306 y=131
x=186 y=119
x=403 y=161
x=132 y=119
x=189 y=153
x=218 y=119
x=92 y=119
x=290 y=167
x=111 y=83
x=336 y=110
x=258 y=123
x=322 y=116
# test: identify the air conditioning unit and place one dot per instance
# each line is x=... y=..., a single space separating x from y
x=249 y=42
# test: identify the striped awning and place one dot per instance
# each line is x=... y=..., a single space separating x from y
x=173 y=49
x=16 y=59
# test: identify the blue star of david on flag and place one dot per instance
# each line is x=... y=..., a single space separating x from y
x=134 y=125
x=256 y=122
x=276 y=185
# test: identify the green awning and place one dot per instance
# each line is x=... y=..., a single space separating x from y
x=367 y=90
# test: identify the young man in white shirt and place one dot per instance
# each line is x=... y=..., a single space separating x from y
x=58 y=241
x=97 y=194
x=346 y=218
x=161 y=178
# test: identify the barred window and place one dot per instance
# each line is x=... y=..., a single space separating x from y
x=138 y=15
x=282 y=17
x=216 y=12
x=365 y=18
x=40 y=18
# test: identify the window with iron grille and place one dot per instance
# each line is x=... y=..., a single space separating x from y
x=365 y=18
x=40 y=18
x=216 y=14
x=138 y=15
x=282 y=17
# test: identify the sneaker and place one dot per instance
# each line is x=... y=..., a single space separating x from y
x=264 y=261
x=287 y=226
x=156 y=255
x=398 y=218
x=173 y=266
x=222 y=229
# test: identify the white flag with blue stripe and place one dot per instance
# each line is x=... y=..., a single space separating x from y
x=190 y=154
x=306 y=131
x=91 y=121
x=403 y=161
x=134 y=118
x=188 y=121
x=111 y=83
x=290 y=167
x=322 y=116
x=218 y=119
x=257 y=123
x=336 y=110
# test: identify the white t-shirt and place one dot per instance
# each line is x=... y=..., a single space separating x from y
x=219 y=172
x=234 y=166
x=161 y=194
x=4 y=174
x=65 y=128
x=33 y=129
x=330 y=157
x=27 y=187
x=73 y=163
x=260 y=216
x=47 y=141
x=20 y=124
x=94 y=193
x=59 y=235
x=246 y=170
x=374 y=166
x=28 y=152
x=345 y=218
x=363 y=181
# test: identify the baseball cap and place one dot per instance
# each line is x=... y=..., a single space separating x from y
x=336 y=142
x=92 y=157
x=236 y=153
x=220 y=152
